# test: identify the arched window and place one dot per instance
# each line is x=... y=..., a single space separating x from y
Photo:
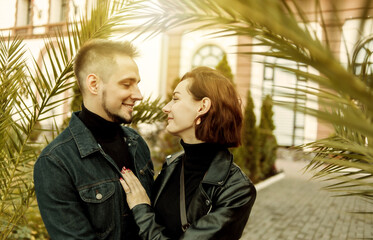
x=362 y=61
x=208 y=55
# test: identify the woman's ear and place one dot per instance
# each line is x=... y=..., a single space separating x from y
x=92 y=83
x=204 y=106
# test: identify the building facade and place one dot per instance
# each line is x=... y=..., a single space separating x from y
x=169 y=55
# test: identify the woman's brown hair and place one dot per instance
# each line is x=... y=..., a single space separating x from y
x=222 y=123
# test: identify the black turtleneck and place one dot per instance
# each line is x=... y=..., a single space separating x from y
x=197 y=160
x=109 y=135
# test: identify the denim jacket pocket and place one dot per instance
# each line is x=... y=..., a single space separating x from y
x=99 y=203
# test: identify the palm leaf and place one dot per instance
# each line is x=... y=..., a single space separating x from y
x=148 y=111
x=342 y=98
x=41 y=87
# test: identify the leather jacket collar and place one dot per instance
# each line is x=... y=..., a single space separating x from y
x=218 y=171
x=216 y=174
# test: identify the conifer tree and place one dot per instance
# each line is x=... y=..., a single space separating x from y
x=224 y=68
x=246 y=156
x=266 y=139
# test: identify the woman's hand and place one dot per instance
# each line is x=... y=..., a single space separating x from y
x=135 y=192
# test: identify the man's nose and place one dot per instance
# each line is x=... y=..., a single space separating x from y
x=136 y=93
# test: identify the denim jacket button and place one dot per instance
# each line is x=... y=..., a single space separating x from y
x=207 y=202
x=98 y=196
x=142 y=172
x=129 y=144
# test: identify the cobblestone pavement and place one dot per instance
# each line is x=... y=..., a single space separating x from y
x=295 y=208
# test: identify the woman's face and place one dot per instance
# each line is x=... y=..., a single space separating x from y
x=182 y=112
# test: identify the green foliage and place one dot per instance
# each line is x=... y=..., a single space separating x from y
x=17 y=123
x=224 y=68
x=148 y=111
x=31 y=227
x=28 y=94
x=246 y=156
x=257 y=154
x=349 y=107
x=267 y=140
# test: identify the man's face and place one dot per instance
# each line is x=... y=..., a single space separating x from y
x=120 y=91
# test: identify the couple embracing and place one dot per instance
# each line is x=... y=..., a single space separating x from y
x=95 y=180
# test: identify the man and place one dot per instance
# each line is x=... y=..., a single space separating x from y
x=77 y=175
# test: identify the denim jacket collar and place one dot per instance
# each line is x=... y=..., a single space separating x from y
x=84 y=139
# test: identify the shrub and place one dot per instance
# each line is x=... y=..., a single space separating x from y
x=246 y=156
x=266 y=139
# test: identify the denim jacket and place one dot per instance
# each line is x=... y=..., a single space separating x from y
x=77 y=185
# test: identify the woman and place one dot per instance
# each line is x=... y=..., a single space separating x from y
x=200 y=193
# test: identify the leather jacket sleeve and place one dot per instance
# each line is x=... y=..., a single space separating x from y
x=230 y=210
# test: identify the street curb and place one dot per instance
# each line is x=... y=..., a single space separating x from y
x=261 y=185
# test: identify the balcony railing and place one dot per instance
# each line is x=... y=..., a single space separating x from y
x=30 y=31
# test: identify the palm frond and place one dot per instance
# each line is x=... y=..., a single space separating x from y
x=28 y=94
x=282 y=32
x=342 y=98
x=148 y=111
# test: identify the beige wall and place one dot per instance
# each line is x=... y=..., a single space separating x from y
x=173 y=58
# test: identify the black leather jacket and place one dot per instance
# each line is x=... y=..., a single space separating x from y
x=219 y=211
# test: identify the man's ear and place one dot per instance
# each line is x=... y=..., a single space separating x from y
x=92 y=83
x=205 y=106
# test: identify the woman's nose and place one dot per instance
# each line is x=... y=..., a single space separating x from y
x=166 y=109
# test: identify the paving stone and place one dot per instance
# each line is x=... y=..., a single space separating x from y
x=296 y=208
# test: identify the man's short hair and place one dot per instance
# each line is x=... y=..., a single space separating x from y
x=98 y=56
x=222 y=123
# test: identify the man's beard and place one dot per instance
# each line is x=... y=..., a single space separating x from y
x=114 y=117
